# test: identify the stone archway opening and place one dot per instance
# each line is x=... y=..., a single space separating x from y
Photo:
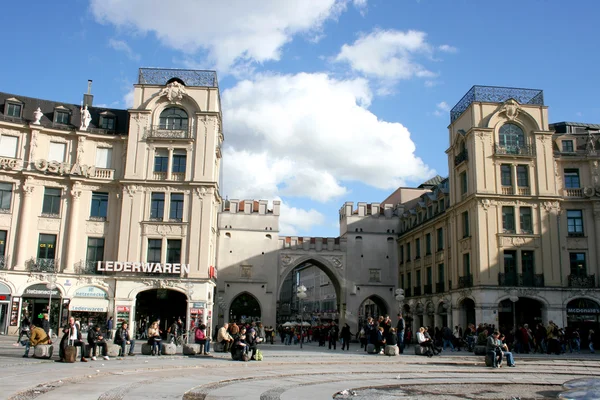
x=166 y=305
x=244 y=309
x=583 y=314
x=323 y=295
x=524 y=311
x=372 y=306
x=466 y=312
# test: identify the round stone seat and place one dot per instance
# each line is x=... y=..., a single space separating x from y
x=191 y=349
x=43 y=351
x=113 y=350
x=371 y=348
x=420 y=350
x=146 y=349
x=218 y=347
x=480 y=350
x=168 y=349
x=489 y=360
x=391 y=350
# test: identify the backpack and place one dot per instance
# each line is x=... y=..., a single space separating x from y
x=259 y=355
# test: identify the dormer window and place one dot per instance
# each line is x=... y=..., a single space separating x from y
x=107 y=122
x=61 y=117
x=173 y=118
x=13 y=110
x=567 y=146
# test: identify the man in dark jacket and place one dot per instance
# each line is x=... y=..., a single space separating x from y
x=334 y=333
x=400 y=326
x=123 y=339
x=71 y=337
x=94 y=339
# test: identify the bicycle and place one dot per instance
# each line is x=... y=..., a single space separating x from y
x=183 y=338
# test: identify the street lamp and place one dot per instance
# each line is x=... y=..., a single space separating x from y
x=514 y=298
x=301 y=294
x=400 y=298
x=50 y=285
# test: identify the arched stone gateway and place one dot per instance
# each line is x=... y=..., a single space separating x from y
x=466 y=309
x=372 y=306
x=245 y=308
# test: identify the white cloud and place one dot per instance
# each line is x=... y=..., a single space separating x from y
x=446 y=48
x=308 y=135
x=442 y=108
x=229 y=31
x=294 y=221
x=128 y=98
x=120 y=45
x=388 y=54
x=430 y=84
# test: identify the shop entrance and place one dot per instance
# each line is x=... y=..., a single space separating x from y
x=36 y=299
x=244 y=309
x=164 y=304
x=4 y=307
x=583 y=314
x=467 y=312
x=524 y=311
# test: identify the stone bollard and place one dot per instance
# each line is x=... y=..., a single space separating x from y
x=420 y=350
x=371 y=348
x=168 y=349
x=489 y=359
x=480 y=350
x=219 y=347
x=146 y=349
x=43 y=351
x=191 y=349
x=113 y=350
x=391 y=350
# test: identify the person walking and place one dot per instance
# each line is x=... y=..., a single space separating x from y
x=346 y=335
x=109 y=328
x=334 y=333
x=400 y=327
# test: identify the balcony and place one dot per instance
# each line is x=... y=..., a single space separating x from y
x=507 y=190
x=163 y=176
x=161 y=132
x=439 y=287
x=461 y=157
x=522 y=280
x=582 y=281
x=465 y=281
x=43 y=265
x=427 y=289
x=573 y=192
x=522 y=151
x=507 y=279
x=417 y=290
x=104 y=173
x=524 y=191
x=87 y=268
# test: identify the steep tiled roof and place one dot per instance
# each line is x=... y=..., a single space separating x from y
x=436 y=180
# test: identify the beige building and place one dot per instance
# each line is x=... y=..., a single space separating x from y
x=111 y=212
x=511 y=236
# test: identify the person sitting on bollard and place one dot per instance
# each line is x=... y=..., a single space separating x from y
x=154 y=339
x=425 y=342
x=494 y=350
x=201 y=339
x=239 y=349
x=71 y=337
x=510 y=359
x=94 y=339
x=122 y=338
x=252 y=340
x=380 y=343
x=38 y=336
x=225 y=338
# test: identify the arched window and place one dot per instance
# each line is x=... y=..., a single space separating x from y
x=511 y=138
x=173 y=118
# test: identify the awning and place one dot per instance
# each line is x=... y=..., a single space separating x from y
x=88 y=305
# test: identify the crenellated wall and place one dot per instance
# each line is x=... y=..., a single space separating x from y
x=370 y=217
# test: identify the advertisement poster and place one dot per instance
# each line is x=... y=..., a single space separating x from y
x=123 y=314
x=14 y=312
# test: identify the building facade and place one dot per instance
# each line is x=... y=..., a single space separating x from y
x=511 y=236
x=112 y=212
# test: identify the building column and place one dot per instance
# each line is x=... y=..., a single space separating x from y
x=513 y=172
x=594 y=270
x=23 y=233
x=170 y=164
x=72 y=239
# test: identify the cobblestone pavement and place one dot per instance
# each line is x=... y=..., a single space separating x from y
x=288 y=373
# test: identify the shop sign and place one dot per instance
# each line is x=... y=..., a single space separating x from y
x=141 y=267
x=91 y=291
x=14 y=312
x=199 y=304
x=88 y=309
x=9 y=163
x=4 y=297
x=40 y=290
x=572 y=310
x=583 y=306
x=197 y=311
x=56 y=167
x=123 y=309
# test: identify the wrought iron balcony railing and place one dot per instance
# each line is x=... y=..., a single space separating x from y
x=525 y=150
x=439 y=287
x=417 y=290
x=582 y=281
x=87 y=268
x=461 y=157
x=507 y=279
x=43 y=265
x=465 y=281
x=531 y=280
x=163 y=132
x=427 y=289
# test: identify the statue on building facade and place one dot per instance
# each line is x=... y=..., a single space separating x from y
x=37 y=116
x=86 y=118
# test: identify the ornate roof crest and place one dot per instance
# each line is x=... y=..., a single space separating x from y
x=174 y=91
x=511 y=108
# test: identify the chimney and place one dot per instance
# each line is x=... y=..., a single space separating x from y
x=88 y=98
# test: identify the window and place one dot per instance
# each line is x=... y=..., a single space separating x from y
x=179 y=159
x=417 y=248
x=161 y=160
x=402 y=281
x=522 y=176
x=154 y=250
x=174 y=251
x=51 y=205
x=3 y=245
x=510 y=267
x=5 y=196
x=57 y=151
x=572 y=178
x=441 y=206
x=463 y=183
x=99 y=205
x=440 y=239
x=47 y=247
x=401 y=255
x=429 y=211
x=13 y=110
x=506 y=175
x=103 y=157
x=8 y=146
x=467 y=264
x=428 y=244
x=528 y=267
x=374 y=275
x=61 y=117
x=567 y=146
x=575 y=222
x=578 y=264
x=107 y=122
x=407 y=251
x=176 y=209
x=408 y=280
x=508 y=219
x=157 y=206
x=173 y=119
x=525 y=218
x=418 y=278
x=95 y=250
x=512 y=138
x=441 y=273
x=429 y=277
x=465 y=223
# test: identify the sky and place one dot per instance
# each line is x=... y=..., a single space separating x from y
x=324 y=101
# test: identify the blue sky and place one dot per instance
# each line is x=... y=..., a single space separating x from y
x=324 y=101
